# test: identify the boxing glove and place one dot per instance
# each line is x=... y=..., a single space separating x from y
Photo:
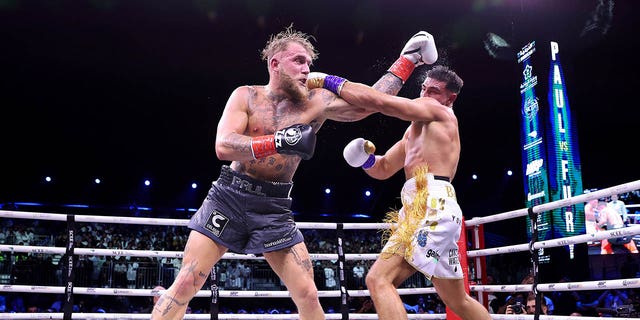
x=360 y=153
x=298 y=139
x=323 y=80
x=420 y=49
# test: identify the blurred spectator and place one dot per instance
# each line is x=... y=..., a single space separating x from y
x=358 y=275
x=609 y=219
x=620 y=207
x=131 y=273
x=565 y=302
x=57 y=304
x=615 y=298
x=529 y=307
x=492 y=299
x=246 y=275
x=630 y=268
x=329 y=276
x=548 y=303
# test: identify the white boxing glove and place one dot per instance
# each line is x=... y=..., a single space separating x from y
x=420 y=49
x=360 y=153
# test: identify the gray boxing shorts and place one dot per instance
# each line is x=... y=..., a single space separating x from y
x=247 y=215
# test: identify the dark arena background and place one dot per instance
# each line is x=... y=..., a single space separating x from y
x=130 y=92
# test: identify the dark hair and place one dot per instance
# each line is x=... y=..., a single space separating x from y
x=448 y=76
x=532 y=296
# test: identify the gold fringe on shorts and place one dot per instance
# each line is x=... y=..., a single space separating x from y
x=403 y=232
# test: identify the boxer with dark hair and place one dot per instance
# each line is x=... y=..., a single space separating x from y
x=426 y=229
x=266 y=131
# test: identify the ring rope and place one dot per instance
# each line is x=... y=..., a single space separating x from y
x=329 y=316
x=586 y=197
x=568 y=286
x=170 y=222
x=564 y=286
x=128 y=316
x=167 y=254
x=599 y=235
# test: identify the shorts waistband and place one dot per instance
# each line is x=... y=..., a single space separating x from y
x=442 y=178
x=247 y=184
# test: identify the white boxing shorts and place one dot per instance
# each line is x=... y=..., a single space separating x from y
x=427 y=232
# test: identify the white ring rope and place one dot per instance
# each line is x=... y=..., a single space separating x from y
x=201 y=293
x=622 y=188
x=567 y=286
x=169 y=222
x=167 y=254
x=127 y=316
x=329 y=316
x=608 y=234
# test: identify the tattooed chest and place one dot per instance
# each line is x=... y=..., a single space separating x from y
x=266 y=120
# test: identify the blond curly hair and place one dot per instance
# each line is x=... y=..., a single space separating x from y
x=279 y=42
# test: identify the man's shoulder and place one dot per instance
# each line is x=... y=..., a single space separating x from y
x=251 y=87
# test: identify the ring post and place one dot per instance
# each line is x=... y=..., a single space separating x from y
x=462 y=256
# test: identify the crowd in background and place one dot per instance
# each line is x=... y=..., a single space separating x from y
x=148 y=272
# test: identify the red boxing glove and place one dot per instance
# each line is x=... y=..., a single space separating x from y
x=298 y=139
x=420 y=49
x=263 y=146
x=402 y=68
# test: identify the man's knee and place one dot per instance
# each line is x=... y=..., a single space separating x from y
x=374 y=280
x=305 y=295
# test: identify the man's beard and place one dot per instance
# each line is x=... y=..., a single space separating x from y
x=292 y=88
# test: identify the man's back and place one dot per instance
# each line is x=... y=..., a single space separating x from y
x=609 y=217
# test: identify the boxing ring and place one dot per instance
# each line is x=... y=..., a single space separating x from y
x=474 y=255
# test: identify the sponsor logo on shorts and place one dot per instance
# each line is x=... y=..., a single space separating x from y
x=422 y=238
x=277 y=242
x=450 y=192
x=216 y=223
x=247 y=186
x=453 y=257
x=433 y=253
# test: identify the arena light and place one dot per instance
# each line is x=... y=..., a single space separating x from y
x=75 y=205
x=474 y=176
x=327 y=190
x=48 y=179
x=97 y=181
x=367 y=193
x=29 y=204
x=194 y=185
x=509 y=172
x=137 y=208
x=147 y=182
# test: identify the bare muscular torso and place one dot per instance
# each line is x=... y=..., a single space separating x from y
x=266 y=114
x=436 y=144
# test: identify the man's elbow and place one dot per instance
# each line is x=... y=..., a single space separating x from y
x=223 y=153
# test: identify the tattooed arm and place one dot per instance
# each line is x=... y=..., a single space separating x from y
x=389 y=84
x=339 y=110
x=231 y=142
